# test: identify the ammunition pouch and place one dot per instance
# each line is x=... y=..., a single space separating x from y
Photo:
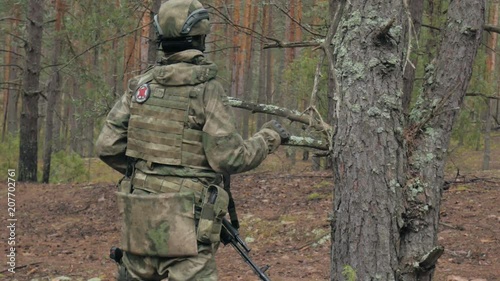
x=214 y=207
x=125 y=185
x=161 y=225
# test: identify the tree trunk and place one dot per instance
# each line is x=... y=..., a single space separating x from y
x=389 y=171
x=74 y=114
x=429 y=132
x=53 y=91
x=368 y=160
x=261 y=96
x=52 y=94
x=11 y=113
x=305 y=155
x=12 y=76
x=416 y=9
x=28 y=146
x=316 y=163
x=246 y=75
x=491 y=42
x=269 y=61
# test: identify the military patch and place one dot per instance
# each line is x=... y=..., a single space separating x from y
x=142 y=93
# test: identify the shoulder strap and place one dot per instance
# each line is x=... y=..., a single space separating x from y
x=231 y=208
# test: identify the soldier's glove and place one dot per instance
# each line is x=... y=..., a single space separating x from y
x=278 y=128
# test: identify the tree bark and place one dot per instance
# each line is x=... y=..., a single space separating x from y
x=316 y=161
x=246 y=74
x=74 y=114
x=12 y=75
x=269 y=62
x=389 y=170
x=491 y=40
x=429 y=131
x=52 y=94
x=416 y=9
x=28 y=146
x=261 y=96
x=11 y=112
x=368 y=160
x=292 y=115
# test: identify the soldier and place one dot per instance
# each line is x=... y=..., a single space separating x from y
x=172 y=135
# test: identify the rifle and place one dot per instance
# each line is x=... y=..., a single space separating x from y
x=229 y=234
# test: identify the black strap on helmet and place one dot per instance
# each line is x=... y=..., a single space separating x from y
x=183 y=42
x=193 y=18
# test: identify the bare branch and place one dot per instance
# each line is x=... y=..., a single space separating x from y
x=307 y=142
x=431 y=27
x=317 y=76
x=16 y=36
x=329 y=52
x=279 y=44
x=486 y=27
x=9 y=83
x=220 y=49
x=13 y=19
x=491 y=28
x=99 y=44
x=11 y=65
x=12 y=52
x=259 y=36
x=482 y=95
x=292 y=115
x=297 y=22
x=243 y=29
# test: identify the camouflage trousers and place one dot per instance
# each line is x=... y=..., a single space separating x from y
x=201 y=267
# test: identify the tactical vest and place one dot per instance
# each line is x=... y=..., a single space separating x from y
x=159 y=131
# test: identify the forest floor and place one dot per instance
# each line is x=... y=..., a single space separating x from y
x=64 y=232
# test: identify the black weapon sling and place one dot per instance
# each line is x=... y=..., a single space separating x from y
x=231 y=208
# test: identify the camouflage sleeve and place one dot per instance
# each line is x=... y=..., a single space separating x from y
x=112 y=141
x=225 y=149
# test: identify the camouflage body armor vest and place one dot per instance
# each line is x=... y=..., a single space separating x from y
x=159 y=130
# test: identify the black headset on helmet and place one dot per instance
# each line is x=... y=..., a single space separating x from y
x=183 y=42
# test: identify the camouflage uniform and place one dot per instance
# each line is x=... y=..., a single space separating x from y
x=222 y=151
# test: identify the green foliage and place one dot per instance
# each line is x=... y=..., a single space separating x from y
x=67 y=167
x=349 y=273
x=299 y=78
x=313 y=196
x=323 y=184
x=318 y=11
x=9 y=151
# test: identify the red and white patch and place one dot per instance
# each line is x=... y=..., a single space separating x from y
x=142 y=93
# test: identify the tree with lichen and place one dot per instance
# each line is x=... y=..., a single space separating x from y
x=388 y=165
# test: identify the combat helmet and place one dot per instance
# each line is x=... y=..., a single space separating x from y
x=181 y=25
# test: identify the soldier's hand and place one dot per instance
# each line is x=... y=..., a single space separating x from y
x=278 y=128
